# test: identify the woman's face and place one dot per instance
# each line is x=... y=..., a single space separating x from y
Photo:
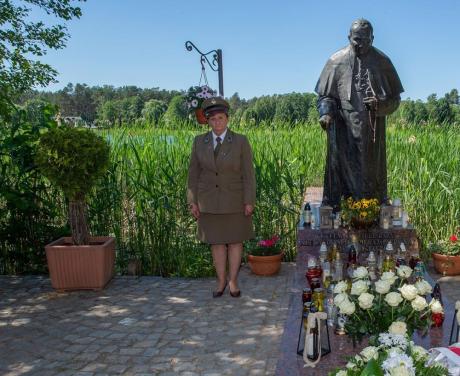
x=218 y=123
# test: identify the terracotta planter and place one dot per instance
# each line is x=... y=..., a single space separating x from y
x=265 y=265
x=200 y=118
x=446 y=265
x=81 y=267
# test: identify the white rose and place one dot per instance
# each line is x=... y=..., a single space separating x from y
x=457 y=305
x=409 y=292
x=389 y=277
x=458 y=317
x=340 y=287
x=350 y=365
x=341 y=373
x=400 y=371
x=419 y=303
x=370 y=352
x=365 y=300
x=398 y=327
x=347 y=307
x=404 y=271
x=419 y=352
x=436 y=306
x=423 y=287
x=382 y=287
x=340 y=298
x=360 y=273
x=358 y=287
x=393 y=299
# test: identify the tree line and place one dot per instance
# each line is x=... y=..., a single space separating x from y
x=109 y=106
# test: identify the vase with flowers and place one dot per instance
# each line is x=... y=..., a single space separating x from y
x=361 y=213
x=265 y=255
x=446 y=254
x=194 y=99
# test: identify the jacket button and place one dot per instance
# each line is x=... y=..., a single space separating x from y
x=217 y=174
x=217 y=186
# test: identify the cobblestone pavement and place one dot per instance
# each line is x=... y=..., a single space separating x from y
x=143 y=326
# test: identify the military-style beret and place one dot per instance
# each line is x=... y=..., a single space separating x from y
x=214 y=105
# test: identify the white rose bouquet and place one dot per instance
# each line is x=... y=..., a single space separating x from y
x=394 y=354
x=371 y=308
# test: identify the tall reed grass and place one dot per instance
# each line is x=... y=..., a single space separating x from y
x=142 y=200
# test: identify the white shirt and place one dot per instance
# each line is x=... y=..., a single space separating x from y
x=222 y=138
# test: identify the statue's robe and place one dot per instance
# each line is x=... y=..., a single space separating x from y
x=356 y=164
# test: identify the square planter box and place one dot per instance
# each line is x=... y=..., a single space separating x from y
x=81 y=267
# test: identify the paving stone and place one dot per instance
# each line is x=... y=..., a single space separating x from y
x=147 y=325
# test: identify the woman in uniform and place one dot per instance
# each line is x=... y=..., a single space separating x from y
x=221 y=193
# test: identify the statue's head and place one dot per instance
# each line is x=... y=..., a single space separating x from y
x=361 y=36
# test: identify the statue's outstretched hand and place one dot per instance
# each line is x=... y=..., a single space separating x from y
x=325 y=121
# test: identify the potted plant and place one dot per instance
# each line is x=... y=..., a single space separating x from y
x=194 y=99
x=360 y=213
x=74 y=159
x=264 y=256
x=446 y=254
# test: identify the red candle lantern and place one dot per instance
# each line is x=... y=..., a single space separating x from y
x=437 y=319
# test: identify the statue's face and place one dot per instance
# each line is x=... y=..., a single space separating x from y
x=361 y=41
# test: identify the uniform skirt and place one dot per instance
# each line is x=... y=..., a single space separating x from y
x=224 y=228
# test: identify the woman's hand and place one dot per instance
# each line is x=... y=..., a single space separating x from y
x=248 y=209
x=195 y=211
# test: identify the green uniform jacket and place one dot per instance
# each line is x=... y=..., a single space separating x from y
x=226 y=184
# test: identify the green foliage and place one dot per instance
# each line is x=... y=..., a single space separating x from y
x=142 y=199
x=22 y=40
x=72 y=159
x=448 y=247
x=265 y=247
x=154 y=110
x=31 y=214
x=176 y=113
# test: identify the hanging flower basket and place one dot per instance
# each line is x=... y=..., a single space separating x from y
x=194 y=99
x=200 y=117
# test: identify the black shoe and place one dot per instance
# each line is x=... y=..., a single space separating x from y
x=235 y=294
x=218 y=294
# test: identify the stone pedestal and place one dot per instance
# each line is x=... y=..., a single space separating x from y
x=373 y=239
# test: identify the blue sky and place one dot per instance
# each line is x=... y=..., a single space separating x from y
x=268 y=46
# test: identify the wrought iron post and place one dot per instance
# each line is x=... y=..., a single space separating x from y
x=215 y=64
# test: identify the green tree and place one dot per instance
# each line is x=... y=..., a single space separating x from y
x=154 y=110
x=265 y=108
x=176 y=112
x=109 y=113
x=453 y=97
x=23 y=40
x=292 y=108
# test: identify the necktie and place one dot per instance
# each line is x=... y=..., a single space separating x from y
x=217 y=148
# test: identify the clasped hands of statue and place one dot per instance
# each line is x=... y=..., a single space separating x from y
x=370 y=103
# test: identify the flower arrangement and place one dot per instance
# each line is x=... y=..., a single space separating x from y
x=394 y=354
x=449 y=247
x=265 y=247
x=196 y=95
x=355 y=212
x=371 y=308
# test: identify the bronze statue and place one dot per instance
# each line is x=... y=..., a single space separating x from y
x=357 y=88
